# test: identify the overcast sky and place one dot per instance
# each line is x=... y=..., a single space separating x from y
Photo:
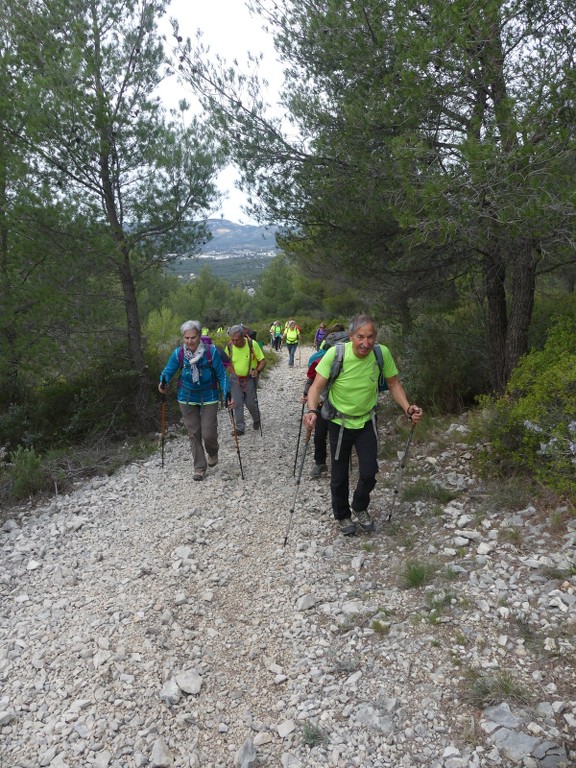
x=230 y=30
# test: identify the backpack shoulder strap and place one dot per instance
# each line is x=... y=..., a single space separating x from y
x=251 y=348
x=382 y=385
x=208 y=352
x=379 y=358
x=181 y=356
x=336 y=367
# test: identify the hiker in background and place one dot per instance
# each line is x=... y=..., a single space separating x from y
x=349 y=407
x=276 y=335
x=336 y=333
x=291 y=336
x=287 y=324
x=320 y=335
x=205 y=331
x=246 y=363
x=202 y=374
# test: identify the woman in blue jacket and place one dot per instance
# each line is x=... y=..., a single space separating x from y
x=203 y=381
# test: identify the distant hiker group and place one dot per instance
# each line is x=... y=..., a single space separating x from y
x=345 y=374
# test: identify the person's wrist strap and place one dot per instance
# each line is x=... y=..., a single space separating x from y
x=313 y=410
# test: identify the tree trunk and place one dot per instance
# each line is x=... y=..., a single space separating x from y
x=404 y=313
x=522 y=285
x=508 y=321
x=134 y=331
x=9 y=370
x=497 y=320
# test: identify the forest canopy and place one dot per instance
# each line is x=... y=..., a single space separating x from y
x=423 y=170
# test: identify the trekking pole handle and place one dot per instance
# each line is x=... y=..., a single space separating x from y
x=413 y=410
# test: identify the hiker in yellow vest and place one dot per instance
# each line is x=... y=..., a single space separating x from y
x=291 y=336
x=246 y=363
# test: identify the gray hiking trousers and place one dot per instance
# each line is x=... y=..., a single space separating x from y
x=201 y=421
x=243 y=390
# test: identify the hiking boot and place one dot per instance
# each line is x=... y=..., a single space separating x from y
x=364 y=520
x=198 y=475
x=347 y=526
x=239 y=432
x=256 y=425
x=212 y=460
x=318 y=469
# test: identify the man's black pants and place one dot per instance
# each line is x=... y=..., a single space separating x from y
x=364 y=440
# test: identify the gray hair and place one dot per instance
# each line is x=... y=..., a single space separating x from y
x=358 y=321
x=235 y=329
x=191 y=325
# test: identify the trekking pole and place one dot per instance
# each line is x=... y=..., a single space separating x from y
x=298 y=441
x=233 y=420
x=400 y=471
x=298 y=478
x=257 y=404
x=163 y=416
x=299 y=357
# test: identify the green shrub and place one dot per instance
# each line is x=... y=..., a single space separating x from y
x=444 y=363
x=483 y=689
x=426 y=490
x=417 y=574
x=26 y=474
x=99 y=401
x=548 y=307
x=14 y=422
x=312 y=735
x=532 y=427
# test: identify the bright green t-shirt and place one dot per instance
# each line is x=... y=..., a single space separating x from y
x=355 y=390
x=240 y=357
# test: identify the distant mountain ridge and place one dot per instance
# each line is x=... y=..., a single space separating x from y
x=228 y=237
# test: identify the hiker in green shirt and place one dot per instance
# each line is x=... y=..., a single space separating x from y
x=276 y=335
x=352 y=423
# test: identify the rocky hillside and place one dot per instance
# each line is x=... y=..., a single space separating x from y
x=229 y=237
x=148 y=620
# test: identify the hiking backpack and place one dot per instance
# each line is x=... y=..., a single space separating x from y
x=328 y=343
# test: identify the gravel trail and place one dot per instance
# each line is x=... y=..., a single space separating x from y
x=149 y=620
